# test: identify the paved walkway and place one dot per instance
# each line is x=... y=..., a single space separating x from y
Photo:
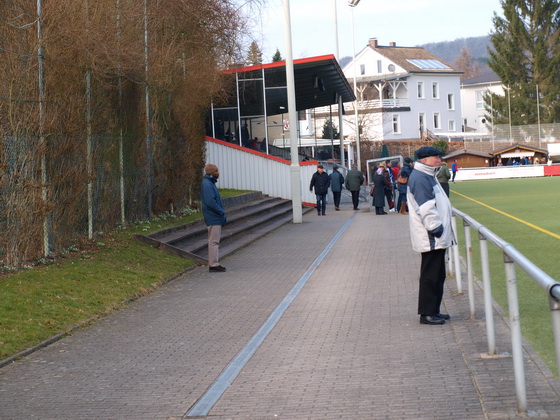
x=344 y=344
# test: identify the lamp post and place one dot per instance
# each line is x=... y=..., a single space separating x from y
x=509 y=113
x=538 y=116
x=352 y=4
x=340 y=119
x=295 y=176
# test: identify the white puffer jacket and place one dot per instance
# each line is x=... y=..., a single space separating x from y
x=429 y=210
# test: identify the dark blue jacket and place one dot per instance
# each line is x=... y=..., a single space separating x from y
x=405 y=172
x=321 y=183
x=337 y=181
x=212 y=206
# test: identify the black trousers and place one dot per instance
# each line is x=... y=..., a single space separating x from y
x=389 y=196
x=355 y=198
x=336 y=198
x=432 y=278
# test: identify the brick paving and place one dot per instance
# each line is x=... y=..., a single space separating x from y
x=349 y=346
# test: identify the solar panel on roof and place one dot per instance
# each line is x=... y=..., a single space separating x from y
x=429 y=64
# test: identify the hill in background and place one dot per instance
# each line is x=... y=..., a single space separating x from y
x=449 y=51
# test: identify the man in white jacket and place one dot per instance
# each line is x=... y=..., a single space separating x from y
x=431 y=234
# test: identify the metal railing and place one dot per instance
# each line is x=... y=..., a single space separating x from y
x=510 y=257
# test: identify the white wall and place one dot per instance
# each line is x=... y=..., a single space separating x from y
x=471 y=113
x=251 y=170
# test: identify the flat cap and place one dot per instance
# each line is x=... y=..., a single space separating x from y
x=428 y=151
x=320 y=166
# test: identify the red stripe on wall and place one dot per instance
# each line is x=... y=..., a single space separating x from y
x=552 y=170
x=256 y=152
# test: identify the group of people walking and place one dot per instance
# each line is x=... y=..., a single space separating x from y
x=424 y=197
x=320 y=183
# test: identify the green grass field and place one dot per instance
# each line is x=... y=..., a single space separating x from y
x=85 y=284
x=537 y=202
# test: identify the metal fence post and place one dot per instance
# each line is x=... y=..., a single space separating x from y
x=517 y=348
x=470 y=283
x=487 y=287
x=456 y=257
x=555 y=312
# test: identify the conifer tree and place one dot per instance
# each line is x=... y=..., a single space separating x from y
x=254 y=56
x=526 y=54
x=277 y=56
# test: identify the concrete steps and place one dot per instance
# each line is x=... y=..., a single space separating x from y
x=249 y=217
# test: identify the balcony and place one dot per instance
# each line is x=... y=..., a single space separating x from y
x=371 y=105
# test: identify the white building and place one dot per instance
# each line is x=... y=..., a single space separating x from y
x=403 y=94
x=472 y=101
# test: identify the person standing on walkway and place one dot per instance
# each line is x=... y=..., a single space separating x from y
x=354 y=181
x=320 y=181
x=214 y=215
x=402 y=188
x=454 y=170
x=337 y=181
x=379 y=183
x=430 y=232
x=443 y=177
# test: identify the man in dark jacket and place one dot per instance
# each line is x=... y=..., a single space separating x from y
x=354 y=181
x=337 y=181
x=320 y=181
x=214 y=215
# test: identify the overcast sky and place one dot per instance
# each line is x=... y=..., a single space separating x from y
x=406 y=22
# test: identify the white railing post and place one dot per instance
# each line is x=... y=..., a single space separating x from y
x=456 y=257
x=487 y=287
x=470 y=283
x=555 y=312
x=516 y=344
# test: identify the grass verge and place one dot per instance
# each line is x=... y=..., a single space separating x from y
x=86 y=284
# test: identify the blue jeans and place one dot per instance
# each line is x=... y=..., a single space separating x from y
x=321 y=203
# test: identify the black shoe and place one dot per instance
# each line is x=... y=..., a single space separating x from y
x=443 y=316
x=217 y=269
x=431 y=320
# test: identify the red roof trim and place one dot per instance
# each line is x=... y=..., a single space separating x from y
x=255 y=152
x=280 y=64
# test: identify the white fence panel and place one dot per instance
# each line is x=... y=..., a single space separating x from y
x=251 y=170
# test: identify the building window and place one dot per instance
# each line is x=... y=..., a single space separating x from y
x=435 y=90
x=396 y=124
x=379 y=66
x=479 y=99
x=362 y=69
x=451 y=102
x=437 y=124
x=451 y=125
x=420 y=90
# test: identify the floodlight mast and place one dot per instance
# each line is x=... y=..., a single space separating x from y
x=352 y=4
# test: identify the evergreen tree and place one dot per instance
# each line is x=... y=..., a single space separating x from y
x=465 y=64
x=277 y=56
x=330 y=130
x=526 y=54
x=254 y=55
